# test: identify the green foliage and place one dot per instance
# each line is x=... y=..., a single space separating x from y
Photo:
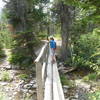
x=42 y=36
x=5 y=35
x=21 y=60
x=5 y=76
x=65 y=81
x=22 y=50
x=2 y=53
x=6 y=38
x=94 y=96
x=26 y=24
x=91 y=77
x=23 y=76
x=86 y=52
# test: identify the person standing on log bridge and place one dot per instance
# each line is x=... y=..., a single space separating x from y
x=53 y=48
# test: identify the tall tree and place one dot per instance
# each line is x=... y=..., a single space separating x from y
x=85 y=13
x=65 y=13
x=24 y=16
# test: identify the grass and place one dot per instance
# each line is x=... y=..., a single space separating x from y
x=90 y=77
x=5 y=76
x=65 y=81
x=23 y=76
x=94 y=96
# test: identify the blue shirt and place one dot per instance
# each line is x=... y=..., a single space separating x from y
x=52 y=44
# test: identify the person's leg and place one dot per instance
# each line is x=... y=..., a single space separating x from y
x=53 y=57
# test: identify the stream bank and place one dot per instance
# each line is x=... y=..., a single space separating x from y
x=16 y=84
x=78 y=86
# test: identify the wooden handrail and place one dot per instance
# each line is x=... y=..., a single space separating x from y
x=41 y=53
x=41 y=63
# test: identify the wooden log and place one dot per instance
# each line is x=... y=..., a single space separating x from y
x=41 y=53
x=39 y=81
x=41 y=71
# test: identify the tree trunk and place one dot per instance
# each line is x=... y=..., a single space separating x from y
x=65 y=18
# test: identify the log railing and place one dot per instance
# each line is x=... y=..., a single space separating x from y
x=41 y=72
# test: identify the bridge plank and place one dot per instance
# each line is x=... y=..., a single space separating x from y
x=53 y=87
x=57 y=82
x=48 y=83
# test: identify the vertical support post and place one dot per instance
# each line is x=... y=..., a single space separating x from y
x=39 y=81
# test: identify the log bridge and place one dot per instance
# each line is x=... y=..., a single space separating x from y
x=47 y=76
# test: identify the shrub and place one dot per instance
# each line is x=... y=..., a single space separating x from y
x=65 y=81
x=91 y=77
x=2 y=53
x=5 y=76
x=86 y=52
x=23 y=53
x=23 y=76
x=21 y=60
x=94 y=96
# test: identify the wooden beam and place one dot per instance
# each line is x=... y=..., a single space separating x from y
x=41 y=71
x=40 y=87
x=41 y=53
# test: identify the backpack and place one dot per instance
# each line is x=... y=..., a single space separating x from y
x=53 y=44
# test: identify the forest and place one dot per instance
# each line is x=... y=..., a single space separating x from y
x=75 y=26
